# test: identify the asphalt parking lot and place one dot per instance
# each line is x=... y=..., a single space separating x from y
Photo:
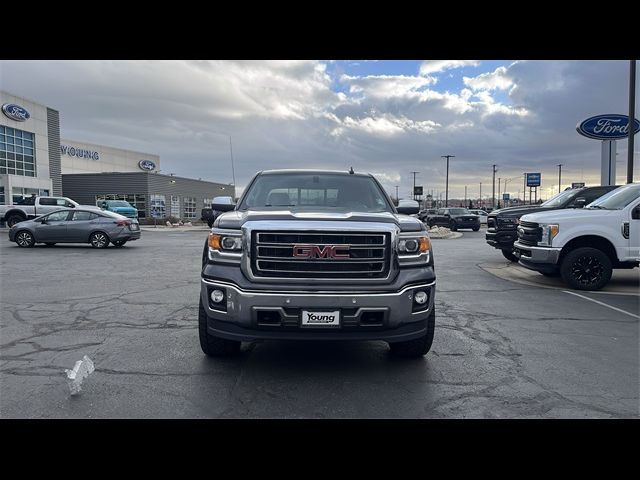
x=501 y=349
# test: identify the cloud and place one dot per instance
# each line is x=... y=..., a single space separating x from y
x=285 y=114
x=436 y=66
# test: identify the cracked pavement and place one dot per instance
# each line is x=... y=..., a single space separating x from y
x=501 y=349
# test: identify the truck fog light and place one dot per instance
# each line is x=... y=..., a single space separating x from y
x=217 y=296
x=420 y=297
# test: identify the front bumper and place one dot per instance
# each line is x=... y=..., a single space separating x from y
x=501 y=239
x=243 y=320
x=540 y=259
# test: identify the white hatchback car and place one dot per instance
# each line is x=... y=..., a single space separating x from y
x=482 y=214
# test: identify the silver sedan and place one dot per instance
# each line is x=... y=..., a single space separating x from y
x=78 y=225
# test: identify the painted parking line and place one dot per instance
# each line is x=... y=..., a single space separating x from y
x=603 y=304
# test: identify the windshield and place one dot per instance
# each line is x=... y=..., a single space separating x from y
x=347 y=192
x=459 y=211
x=616 y=199
x=118 y=203
x=560 y=198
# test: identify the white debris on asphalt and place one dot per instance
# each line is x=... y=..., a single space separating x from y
x=439 y=232
x=81 y=370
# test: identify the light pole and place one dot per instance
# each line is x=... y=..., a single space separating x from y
x=559 y=176
x=632 y=119
x=499 y=191
x=397 y=197
x=446 y=195
x=493 y=189
x=233 y=171
x=480 y=195
x=465 y=196
x=414 y=184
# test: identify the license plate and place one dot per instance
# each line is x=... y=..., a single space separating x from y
x=320 y=319
x=134 y=226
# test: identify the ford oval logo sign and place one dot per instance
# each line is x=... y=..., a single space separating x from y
x=607 y=127
x=146 y=165
x=15 y=112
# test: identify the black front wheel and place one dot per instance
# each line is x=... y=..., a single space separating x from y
x=508 y=254
x=452 y=226
x=586 y=268
x=419 y=346
x=25 y=239
x=211 y=345
x=475 y=229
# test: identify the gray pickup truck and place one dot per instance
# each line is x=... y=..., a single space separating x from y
x=32 y=207
x=317 y=255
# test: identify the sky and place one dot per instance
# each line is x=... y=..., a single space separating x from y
x=389 y=117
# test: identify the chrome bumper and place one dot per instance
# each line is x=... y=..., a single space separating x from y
x=243 y=305
x=530 y=254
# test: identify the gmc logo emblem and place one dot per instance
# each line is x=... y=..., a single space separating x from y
x=315 y=251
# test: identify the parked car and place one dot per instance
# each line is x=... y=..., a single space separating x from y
x=119 y=206
x=584 y=246
x=502 y=223
x=482 y=214
x=454 y=218
x=96 y=227
x=209 y=215
x=317 y=255
x=422 y=214
x=32 y=207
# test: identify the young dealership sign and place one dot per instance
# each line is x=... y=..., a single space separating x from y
x=79 y=152
x=608 y=128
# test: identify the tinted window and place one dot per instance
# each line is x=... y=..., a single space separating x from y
x=48 y=202
x=27 y=201
x=593 y=193
x=78 y=216
x=57 y=216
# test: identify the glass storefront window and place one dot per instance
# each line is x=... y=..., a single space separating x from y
x=189 y=207
x=17 y=155
x=137 y=200
x=157 y=206
x=1 y=195
x=175 y=206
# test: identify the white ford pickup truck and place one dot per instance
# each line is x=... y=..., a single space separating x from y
x=32 y=207
x=584 y=246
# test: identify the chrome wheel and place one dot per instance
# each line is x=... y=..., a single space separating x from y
x=24 y=239
x=99 y=240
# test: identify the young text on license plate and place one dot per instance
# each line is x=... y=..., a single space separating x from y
x=320 y=319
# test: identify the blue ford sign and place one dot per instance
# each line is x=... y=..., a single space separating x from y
x=607 y=127
x=533 y=179
x=146 y=165
x=15 y=112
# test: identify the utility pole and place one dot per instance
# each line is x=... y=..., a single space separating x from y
x=559 y=176
x=414 y=184
x=499 y=192
x=465 y=196
x=446 y=195
x=493 y=189
x=397 y=197
x=233 y=172
x=524 y=189
x=480 y=195
x=632 y=119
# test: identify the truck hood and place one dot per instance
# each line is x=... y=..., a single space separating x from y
x=557 y=216
x=237 y=218
x=519 y=210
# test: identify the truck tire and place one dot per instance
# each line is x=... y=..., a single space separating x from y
x=508 y=254
x=419 y=346
x=210 y=223
x=211 y=345
x=99 y=240
x=586 y=268
x=475 y=229
x=25 y=239
x=452 y=226
x=14 y=218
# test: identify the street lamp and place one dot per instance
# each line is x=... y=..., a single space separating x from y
x=446 y=197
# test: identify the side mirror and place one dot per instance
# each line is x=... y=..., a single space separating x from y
x=408 y=210
x=223 y=207
x=579 y=202
x=635 y=213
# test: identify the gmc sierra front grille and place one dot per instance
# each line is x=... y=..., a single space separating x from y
x=361 y=255
x=529 y=233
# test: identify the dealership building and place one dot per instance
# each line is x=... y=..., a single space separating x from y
x=34 y=160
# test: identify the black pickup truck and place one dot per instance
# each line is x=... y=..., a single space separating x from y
x=502 y=223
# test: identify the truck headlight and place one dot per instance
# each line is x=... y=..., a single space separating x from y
x=548 y=234
x=225 y=242
x=414 y=245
